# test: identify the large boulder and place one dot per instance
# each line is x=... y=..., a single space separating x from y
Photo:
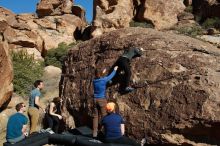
x=58 y=29
x=28 y=40
x=177 y=83
x=3 y=23
x=49 y=31
x=6 y=71
x=6 y=17
x=5 y=12
x=37 y=35
x=17 y=37
x=54 y=7
x=162 y=14
x=110 y=15
x=51 y=78
x=79 y=11
x=45 y=23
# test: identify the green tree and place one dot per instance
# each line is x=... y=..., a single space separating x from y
x=192 y=31
x=211 y=23
x=26 y=71
x=56 y=56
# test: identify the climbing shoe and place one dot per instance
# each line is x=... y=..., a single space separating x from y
x=129 y=89
x=110 y=82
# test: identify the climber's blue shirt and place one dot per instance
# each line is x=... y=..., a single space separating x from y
x=15 y=125
x=34 y=93
x=100 y=85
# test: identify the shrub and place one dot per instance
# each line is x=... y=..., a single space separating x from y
x=211 y=23
x=189 y=9
x=141 y=24
x=56 y=56
x=26 y=71
x=192 y=31
x=198 y=18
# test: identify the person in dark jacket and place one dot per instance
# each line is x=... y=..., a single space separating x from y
x=123 y=64
x=100 y=101
x=114 y=127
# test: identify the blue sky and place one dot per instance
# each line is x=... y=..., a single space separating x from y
x=29 y=6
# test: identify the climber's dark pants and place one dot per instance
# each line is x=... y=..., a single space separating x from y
x=53 y=122
x=98 y=110
x=123 y=64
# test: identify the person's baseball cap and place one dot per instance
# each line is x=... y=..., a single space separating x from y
x=110 y=106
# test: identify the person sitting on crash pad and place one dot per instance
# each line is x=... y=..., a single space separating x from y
x=17 y=125
x=53 y=114
x=123 y=64
x=100 y=101
x=114 y=127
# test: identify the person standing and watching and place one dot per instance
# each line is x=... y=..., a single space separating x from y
x=34 y=105
x=100 y=101
x=114 y=127
x=17 y=125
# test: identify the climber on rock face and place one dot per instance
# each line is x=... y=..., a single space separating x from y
x=123 y=64
x=100 y=101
